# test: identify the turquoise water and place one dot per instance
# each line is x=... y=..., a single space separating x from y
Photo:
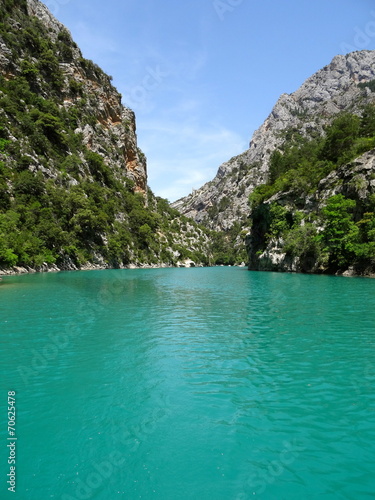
x=187 y=384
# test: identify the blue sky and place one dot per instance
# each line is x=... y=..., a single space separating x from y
x=202 y=75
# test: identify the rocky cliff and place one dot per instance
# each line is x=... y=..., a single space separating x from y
x=304 y=190
x=103 y=121
x=73 y=182
x=334 y=89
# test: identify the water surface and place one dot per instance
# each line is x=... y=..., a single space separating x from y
x=189 y=384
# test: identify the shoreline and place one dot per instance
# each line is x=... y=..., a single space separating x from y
x=20 y=270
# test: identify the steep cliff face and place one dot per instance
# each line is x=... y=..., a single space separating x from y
x=334 y=89
x=111 y=131
x=73 y=182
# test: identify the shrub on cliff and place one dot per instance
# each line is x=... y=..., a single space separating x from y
x=348 y=235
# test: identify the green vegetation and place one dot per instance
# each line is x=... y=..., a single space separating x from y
x=60 y=201
x=346 y=235
x=345 y=238
x=370 y=85
x=302 y=162
x=228 y=247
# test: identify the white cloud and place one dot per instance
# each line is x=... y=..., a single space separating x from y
x=184 y=156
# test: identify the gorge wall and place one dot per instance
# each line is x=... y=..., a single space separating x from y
x=290 y=165
x=82 y=85
x=330 y=91
x=73 y=182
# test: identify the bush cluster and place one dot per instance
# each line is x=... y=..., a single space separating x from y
x=346 y=235
x=59 y=199
x=302 y=162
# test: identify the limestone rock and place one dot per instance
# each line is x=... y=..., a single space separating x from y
x=111 y=131
x=224 y=200
x=186 y=263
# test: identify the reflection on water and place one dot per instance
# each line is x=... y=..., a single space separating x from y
x=191 y=383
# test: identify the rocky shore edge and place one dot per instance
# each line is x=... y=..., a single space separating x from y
x=52 y=268
x=47 y=268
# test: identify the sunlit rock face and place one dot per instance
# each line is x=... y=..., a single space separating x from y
x=223 y=201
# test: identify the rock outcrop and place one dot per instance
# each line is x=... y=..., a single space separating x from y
x=107 y=126
x=334 y=89
x=73 y=182
x=355 y=181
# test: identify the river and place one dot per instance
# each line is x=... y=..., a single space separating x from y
x=188 y=384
